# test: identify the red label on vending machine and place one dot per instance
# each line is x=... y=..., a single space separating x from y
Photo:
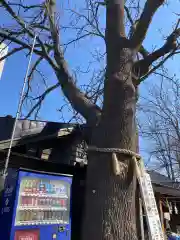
x=27 y=235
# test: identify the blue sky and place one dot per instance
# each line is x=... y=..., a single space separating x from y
x=78 y=56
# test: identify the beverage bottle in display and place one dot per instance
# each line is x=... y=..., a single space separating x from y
x=48 y=188
x=40 y=201
x=21 y=216
x=22 y=201
x=62 y=190
x=30 y=186
x=34 y=201
x=34 y=186
x=27 y=215
x=57 y=202
x=38 y=216
x=25 y=212
x=26 y=186
x=37 y=186
x=47 y=202
x=34 y=215
x=54 y=216
x=43 y=187
x=54 y=202
x=44 y=201
x=28 y=201
x=40 y=186
x=60 y=216
x=63 y=202
x=50 y=202
x=42 y=215
x=48 y=215
x=45 y=215
x=53 y=189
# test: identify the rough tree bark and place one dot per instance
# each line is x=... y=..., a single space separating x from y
x=110 y=211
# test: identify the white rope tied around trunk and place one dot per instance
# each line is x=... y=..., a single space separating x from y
x=114 y=151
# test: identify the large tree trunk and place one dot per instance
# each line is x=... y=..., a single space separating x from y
x=110 y=200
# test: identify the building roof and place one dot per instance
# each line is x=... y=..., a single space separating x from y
x=161 y=179
x=29 y=130
x=164 y=185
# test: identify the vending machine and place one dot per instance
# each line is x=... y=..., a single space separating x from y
x=36 y=206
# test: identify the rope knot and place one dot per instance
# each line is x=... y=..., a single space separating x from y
x=114 y=151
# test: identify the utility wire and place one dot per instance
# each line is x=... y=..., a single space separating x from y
x=19 y=108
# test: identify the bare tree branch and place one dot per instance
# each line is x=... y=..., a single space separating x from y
x=41 y=99
x=115 y=19
x=77 y=99
x=25 y=7
x=142 y=50
x=149 y=10
x=27 y=30
x=141 y=68
x=15 y=50
x=14 y=16
x=160 y=124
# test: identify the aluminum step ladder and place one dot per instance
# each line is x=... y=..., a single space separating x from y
x=147 y=194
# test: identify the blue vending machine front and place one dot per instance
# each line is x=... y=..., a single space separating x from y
x=42 y=207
